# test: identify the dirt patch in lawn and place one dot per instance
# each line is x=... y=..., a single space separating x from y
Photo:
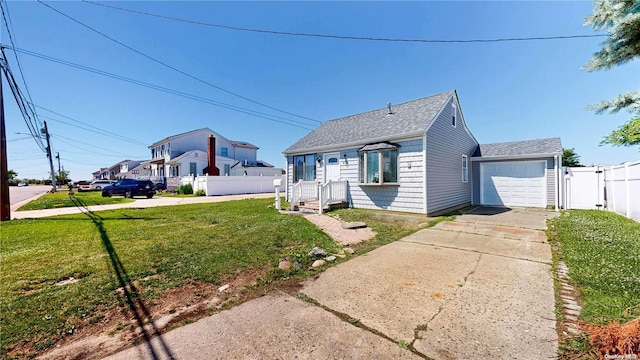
x=110 y=331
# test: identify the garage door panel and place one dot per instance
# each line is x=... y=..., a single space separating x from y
x=513 y=183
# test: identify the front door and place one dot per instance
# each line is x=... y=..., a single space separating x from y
x=331 y=167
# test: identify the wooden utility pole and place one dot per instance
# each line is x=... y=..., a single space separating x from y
x=5 y=203
x=53 y=174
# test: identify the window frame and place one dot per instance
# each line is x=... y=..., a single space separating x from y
x=377 y=156
x=224 y=151
x=465 y=169
x=454 y=115
x=304 y=167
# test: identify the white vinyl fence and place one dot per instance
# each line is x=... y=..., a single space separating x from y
x=232 y=185
x=612 y=188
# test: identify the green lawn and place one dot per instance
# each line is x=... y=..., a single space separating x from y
x=602 y=252
x=189 y=244
x=61 y=199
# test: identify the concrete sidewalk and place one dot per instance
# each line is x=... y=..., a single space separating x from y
x=138 y=203
x=449 y=292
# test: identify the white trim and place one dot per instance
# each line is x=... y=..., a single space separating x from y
x=424 y=172
x=544 y=164
x=454 y=115
x=555 y=183
x=465 y=168
x=512 y=157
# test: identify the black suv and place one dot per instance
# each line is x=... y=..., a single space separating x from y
x=130 y=188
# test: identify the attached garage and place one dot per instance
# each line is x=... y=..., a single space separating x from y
x=517 y=174
x=520 y=183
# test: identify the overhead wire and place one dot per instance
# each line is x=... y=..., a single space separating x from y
x=91 y=150
x=7 y=24
x=92 y=128
x=342 y=37
x=172 y=67
x=84 y=143
x=259 y=114
x=20 y=101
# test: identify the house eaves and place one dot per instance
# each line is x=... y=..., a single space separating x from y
x=355 y=144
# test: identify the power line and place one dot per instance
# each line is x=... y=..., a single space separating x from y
x=92 y=128
x=239 y=109
x=343 y=37
x=171 y=67
x=92 y=150
x=19 y=98
x=24 y=81
x=91 y=145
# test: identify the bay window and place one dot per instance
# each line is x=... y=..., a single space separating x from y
x=378 y=164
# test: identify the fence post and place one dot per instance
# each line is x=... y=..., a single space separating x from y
x=627 y=209
x=613 y=188
x=320 y=199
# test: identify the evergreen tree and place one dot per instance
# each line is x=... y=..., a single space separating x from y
x=621 y=19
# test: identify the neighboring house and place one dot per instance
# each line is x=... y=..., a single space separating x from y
x=195 y=153
x=419 y=157
x=116 y=171
x=142 y=171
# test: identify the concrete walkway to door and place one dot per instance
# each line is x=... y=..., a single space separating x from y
x=477 y=287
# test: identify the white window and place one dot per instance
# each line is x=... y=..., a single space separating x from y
x=454 y=112
x=465 y=169
x=378 y=164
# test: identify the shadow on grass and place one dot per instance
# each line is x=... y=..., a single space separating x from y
x=131 y=295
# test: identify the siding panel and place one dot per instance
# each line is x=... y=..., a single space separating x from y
x=445 y=146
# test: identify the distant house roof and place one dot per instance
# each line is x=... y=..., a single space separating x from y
x=243 y=144
x=550 y=146
x=406 y=119
x=235 y=143
x=176 y=136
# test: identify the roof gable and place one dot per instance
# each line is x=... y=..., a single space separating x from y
x=406 y=119
x=550 y=146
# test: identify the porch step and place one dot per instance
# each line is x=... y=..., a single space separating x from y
x=314 y=205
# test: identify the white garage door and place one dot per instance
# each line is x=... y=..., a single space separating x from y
x=518 y=183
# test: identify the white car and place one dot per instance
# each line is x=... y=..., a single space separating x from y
x=99 y=184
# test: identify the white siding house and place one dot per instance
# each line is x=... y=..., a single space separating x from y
x=411 y=157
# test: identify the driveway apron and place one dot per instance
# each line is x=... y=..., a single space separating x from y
x=477 y=287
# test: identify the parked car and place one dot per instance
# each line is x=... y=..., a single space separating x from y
x=95 y=185
x=21 y=184
x=130 y=188
x=82 y=185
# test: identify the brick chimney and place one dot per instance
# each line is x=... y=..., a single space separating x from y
x=211 y=168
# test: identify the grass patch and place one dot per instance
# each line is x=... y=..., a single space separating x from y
x=601 y=251
x=62 y=199
x=389 y=226
x=104 y=249
x=170 y=247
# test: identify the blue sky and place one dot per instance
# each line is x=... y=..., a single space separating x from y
x=508 y=91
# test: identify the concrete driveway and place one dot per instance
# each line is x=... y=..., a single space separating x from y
x=475 y=288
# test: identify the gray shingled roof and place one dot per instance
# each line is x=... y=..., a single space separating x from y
x=520 y=148
x=408 y=118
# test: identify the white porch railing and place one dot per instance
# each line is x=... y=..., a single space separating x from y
x=331 y=192
x=303 y=191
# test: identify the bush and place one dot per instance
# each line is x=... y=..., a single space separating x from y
x=200 y=193
x=185 y=189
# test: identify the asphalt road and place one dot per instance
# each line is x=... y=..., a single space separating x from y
x=19 y=194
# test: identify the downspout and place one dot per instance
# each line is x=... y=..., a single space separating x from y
x=557 y=192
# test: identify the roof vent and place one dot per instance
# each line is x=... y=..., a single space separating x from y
x=389 y=109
